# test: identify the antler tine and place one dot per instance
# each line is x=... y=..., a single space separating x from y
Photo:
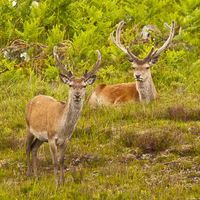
x=167 y=26
x=117 y=42
x=133 y=57
x=68 y=73
x=118 y=32
x=167 y=43
x=150 y=53
x=119 y=45
x=88 y=74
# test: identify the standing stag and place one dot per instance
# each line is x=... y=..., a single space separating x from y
x=49 y=120
x=143 y=90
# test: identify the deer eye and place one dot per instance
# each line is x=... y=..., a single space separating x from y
x=147 y=68
x=71 y=86
x=133 y=68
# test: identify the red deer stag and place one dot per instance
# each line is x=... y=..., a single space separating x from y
x=49 y=120
x=143 y=90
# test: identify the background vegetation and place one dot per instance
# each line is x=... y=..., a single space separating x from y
x=131 y=152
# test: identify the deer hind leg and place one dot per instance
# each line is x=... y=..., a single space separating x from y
x=34 y=147
x=53 y=150
x=29 y=141
x=120 y=100
x=62 y=155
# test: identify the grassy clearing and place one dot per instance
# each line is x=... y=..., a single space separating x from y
x=135 y=151
x=131 y=152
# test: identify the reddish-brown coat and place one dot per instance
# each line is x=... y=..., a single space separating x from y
x=113 y=94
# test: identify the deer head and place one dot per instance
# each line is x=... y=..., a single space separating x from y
x=141 y=67
x=77 y=85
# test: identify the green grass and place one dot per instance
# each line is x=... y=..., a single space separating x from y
x=130 y=152
x=133 y=151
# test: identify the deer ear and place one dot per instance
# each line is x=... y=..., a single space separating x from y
x=90 y=80
x=153 y=61
x=64 y=79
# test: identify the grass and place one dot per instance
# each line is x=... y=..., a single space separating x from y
x=130 y=152
x=135 y=151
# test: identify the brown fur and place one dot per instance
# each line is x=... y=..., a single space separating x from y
x=39 y=112
x=143 y=90
x=113 y=94
x=49 y=120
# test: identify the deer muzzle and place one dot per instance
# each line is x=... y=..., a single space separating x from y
x=138 y=77
x=77 y=97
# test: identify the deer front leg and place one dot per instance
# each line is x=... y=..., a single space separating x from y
x=53 y=150
x=62 y=155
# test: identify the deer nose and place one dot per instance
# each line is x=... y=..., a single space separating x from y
x=137 y=76
x=77 y=96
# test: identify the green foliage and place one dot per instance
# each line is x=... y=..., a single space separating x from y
x=51 y=73
x=10 y=74
x=55 y=36
x=107 y=73
x=136 y=151
x=31 y=31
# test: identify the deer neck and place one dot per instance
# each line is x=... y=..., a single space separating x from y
x=73 y=111
x=70 y=117
x=146 y=90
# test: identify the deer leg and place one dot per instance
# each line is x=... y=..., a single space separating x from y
x=120 y=100
x=34 y=147
x=53 y=150
x=62 y=155
x=29 y=140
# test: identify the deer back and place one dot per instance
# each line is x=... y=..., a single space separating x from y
x=113 y=94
